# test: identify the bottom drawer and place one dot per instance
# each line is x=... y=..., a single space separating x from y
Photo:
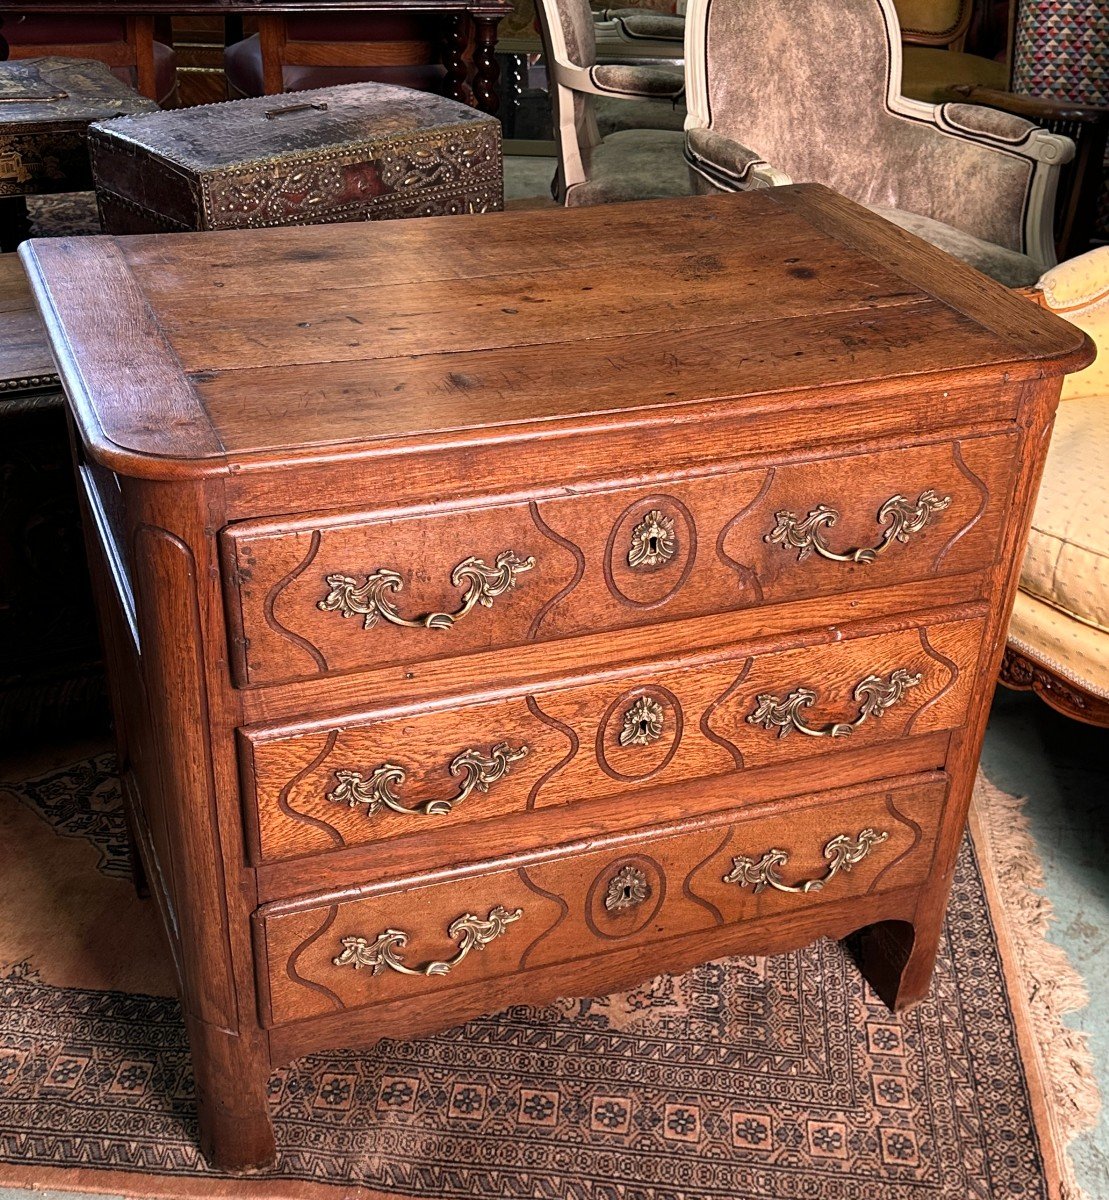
x=409 y=938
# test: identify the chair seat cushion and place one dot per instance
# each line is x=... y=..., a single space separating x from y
x=928 y=73
x=637 y=164
x=1009 y=267
x=1067 y=564
x=1057 y=641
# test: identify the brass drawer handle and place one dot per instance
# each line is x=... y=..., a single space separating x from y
x=478 y=773
x=901 y=519
x=841 y=852
x=471 y=933
x=368 y=600
x=875 y=694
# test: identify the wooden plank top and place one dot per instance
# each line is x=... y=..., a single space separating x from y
x=25 y=361
x=186 y=354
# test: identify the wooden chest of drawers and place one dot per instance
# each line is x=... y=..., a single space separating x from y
x=511 y=607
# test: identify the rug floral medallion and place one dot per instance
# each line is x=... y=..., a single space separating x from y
x=745 y=1078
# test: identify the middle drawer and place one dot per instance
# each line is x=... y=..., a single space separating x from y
x=359 y=779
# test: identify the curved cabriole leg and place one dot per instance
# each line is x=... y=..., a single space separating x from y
x=896 y=959
x=232 y=1074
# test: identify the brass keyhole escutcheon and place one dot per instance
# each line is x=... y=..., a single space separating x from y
x=642 y=723
x=628 y=888
x=653 y=541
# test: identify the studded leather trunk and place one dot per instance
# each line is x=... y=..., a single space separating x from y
x=361 y=151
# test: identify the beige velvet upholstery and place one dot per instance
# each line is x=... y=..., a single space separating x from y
x=1061 y=618
x=762 y=76
x=633 y=164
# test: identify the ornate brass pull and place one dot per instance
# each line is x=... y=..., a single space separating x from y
x=873 y=693
x=899 y=516
x=369 y=599
x=471 y=933
x=841 y=852
x=478 y=773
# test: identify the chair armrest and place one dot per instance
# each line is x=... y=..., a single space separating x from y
x=729 y=165
x=640 y=25
x=637 y=80
x=1004 y=130
x=1032 y=108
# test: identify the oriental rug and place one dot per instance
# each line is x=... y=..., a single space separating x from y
x=745 y=1078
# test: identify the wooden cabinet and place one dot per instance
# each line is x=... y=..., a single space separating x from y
x=503 y=608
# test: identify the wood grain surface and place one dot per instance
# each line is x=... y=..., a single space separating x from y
x=254 y=413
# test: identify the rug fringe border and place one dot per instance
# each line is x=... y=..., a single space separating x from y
x=1041 y=976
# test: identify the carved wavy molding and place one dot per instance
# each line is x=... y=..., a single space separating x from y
x=706 y=716
x=283 y=631
x=983 y=503
x=918 y=835
x=306 y=818
x=579 y=569
x=748 y=575
x=953 y=675
x=567 y=732
x=555 y=898
x=291 y=966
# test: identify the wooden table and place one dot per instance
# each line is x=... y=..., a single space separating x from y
x=481 y=83
x=485 y=632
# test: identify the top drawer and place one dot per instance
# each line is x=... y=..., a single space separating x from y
x=347 y=592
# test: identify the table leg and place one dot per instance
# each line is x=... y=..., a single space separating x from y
x=454 y=59
x=486 y=69
x=15 y=225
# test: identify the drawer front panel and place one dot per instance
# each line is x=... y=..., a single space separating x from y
x=411 y=940
x=340 y=594
x=366 y=780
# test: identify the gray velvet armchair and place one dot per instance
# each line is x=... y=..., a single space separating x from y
x=631 y=164
x=810 y=91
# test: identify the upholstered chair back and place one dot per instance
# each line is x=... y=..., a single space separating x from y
x=934 y=22
x=813 y=87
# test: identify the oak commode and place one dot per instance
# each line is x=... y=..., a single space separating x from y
x=509 y=607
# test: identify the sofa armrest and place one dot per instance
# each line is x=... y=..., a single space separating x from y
x=729 y=164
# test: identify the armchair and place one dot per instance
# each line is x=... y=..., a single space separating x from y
x=1059 y=632
x=768 y=107
x=631 y=164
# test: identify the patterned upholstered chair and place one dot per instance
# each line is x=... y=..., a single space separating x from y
x=631 y=164
x=768 y=105
x=1059 y=633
